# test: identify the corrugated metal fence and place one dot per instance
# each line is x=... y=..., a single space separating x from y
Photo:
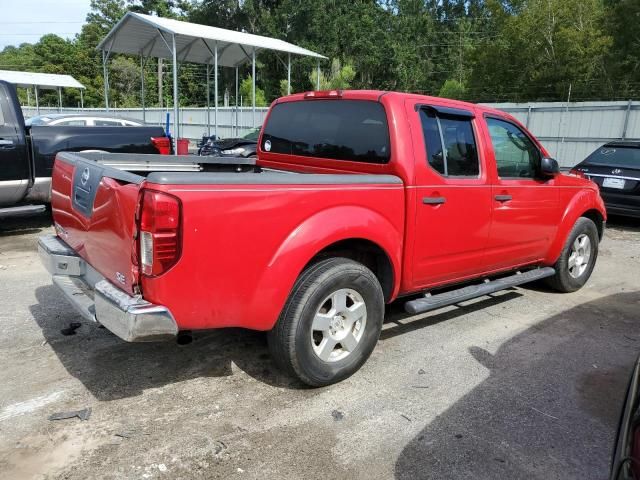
x=570 y=132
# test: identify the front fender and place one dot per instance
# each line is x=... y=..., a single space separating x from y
x=307 y=240
x=581 y=203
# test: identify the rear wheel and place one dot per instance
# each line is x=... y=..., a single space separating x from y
x=330 y=323
x=578 y=257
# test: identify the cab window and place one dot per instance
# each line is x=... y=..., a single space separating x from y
x=516 y=155
x=451 y=146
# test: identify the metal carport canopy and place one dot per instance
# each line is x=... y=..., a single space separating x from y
x=136 y=33
x=50 y=81
x=155 y=37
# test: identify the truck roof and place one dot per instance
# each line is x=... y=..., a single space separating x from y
x=376 y=95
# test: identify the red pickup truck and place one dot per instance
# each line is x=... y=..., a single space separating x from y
x=358 y=198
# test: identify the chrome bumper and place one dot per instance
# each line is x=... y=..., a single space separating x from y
x=131 y=318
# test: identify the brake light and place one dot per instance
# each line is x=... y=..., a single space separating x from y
x=577 y=173
x=324 y=94
x=162 y=144
x=159 y=232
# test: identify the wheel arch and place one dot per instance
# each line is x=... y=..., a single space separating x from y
x=349 y=231
x=366 y=252
x=587 y=203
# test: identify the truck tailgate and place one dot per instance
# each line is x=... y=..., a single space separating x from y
x=94 y=208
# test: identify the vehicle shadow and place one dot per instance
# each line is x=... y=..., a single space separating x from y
x=111 y=368
x=549 y=407
x=398 y=322
x=629 y=224
x=25 y=225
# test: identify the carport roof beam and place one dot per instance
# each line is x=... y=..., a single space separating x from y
x=135 y=31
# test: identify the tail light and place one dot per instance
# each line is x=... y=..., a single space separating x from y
x=162 y=144
x=577 y=173
x=159 y=232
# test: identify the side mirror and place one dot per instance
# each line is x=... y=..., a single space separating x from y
x=549 y=167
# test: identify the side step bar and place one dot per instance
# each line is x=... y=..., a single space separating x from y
x=432 y=302
x=22 y=211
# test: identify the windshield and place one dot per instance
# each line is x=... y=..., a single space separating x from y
x=253 y=134
x=615 y=156
x=352 y=130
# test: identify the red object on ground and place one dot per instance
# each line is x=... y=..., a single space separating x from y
x=183 y=146
x=162 y=144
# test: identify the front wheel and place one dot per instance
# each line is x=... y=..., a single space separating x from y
x=578 y=257
x=330 y=323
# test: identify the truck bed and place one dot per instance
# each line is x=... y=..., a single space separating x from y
x=227 y=207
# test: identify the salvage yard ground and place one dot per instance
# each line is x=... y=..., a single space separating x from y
x=523 y=384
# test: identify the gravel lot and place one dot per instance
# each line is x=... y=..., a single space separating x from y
x=523 y=384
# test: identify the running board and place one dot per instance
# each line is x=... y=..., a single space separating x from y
x=22 y=211
x=432 y=302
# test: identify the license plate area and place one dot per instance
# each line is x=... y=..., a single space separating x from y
x=617 y=183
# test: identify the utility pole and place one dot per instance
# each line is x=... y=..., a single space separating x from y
x=460 y=66
x=160 y=82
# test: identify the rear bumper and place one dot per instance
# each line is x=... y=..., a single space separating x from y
x=131 y=318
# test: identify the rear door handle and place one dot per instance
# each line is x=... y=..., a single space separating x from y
x=503 y=198
x=433 y=200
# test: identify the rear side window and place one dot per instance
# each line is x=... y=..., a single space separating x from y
x=72 y=123
x=352 y=130
x=107 y=123
x=451 y=146
x=615 y=156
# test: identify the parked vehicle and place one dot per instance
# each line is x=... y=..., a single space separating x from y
x=81 y=120
x=625 y=464
x=245 y=146
x=27 y=153
x=358 y=198
x=615 y=167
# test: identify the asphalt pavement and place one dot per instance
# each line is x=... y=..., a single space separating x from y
x=526 y=383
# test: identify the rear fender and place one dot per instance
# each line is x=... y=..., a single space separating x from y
x=306 y=241
x=581 y=203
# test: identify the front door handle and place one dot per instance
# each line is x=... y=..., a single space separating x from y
x=503 y=198
x=5 y=144
x=433 y=200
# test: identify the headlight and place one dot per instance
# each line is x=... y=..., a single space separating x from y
x=234 y=151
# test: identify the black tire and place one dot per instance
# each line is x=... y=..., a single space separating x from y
x=290 y=341
x=563 y=281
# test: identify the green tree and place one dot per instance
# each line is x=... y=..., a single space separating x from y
x=339 y=76
x=246 y=92
x=453 y=88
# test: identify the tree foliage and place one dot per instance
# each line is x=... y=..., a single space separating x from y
x=479 y=50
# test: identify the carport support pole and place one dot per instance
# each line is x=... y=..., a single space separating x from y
x=59 y=99
x=176 y=128
x=28 y=97
x=318 y=83
x=105 y=77
x=81 y=100
x=35 y=87
x=208 y=102
x=289 y=75
x=215 y=86
x=144 y=110
x=236 y=101
x=253 y=89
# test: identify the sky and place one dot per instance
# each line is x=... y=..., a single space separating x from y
x=27 y=20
